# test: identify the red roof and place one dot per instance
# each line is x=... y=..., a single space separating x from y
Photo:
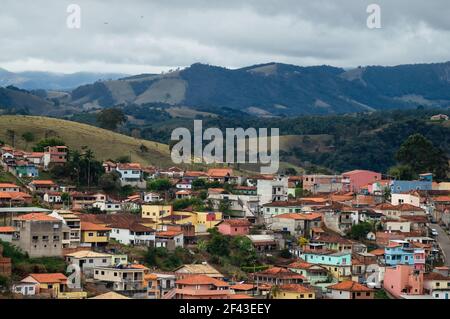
x=237 y=222
x=8 y=185
x=350 y=286
x=95 y=227
x=220 y=172
x=201 y=280
x=37 y=217
x=296 y=216
x=43 y=182
x=296 y=288
x=7 y=229
x=50 y=278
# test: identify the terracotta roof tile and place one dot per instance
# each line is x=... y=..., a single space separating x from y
x=350 y=286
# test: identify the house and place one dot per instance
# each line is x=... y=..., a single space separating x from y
x=53 y=198
x=338 y=217
x=54 y=284
x=354 y=181
x=221 y=175
x=202 y=221
x=131 y=174
x=293 y=291
x=197 y=269
x=245 y=190
x=273 y=189
x=322 y=183
x=184 y=184
x=159 y=284
x=110 y=296
x=439 y=117
x=437 y=285
x=43 y=186
x=25 y=288
x=108 y=206
x=339 y=264
x=350 y=290
x=169 y=239
x=403 y=279
x=410 y=198
x=55 y=155
x=156 y=212
x=313 y=273
x=263 y=243
x=296 y=224
x=6 y=233
x=38 y=234
x=131 y=232
x=240 y=205
x=278 y=276
x=201 y=287
x=94 y=235
x=87 y=260
x=127 y=279
x=25 y=169
x=333 y=242
x=407 y=186
x=234 y=227
x=86 y=200
x=9 y=187
x=183 y=194
x=10 y=199
x=73 y=223
x=36 y=158
x=152 y=197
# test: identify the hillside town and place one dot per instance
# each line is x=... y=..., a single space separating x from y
x=217 y=233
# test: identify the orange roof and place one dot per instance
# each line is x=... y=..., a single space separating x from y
x=350 y=286
x=244 y=287
x=296 y=288
x=168 y=233
x=237 y=222
x=436 y=199
x=43 y=182
x=8 y=185
x=92 y=226
x=408 y=207
x=138 y=266
x=201 y=280
x=377 y=252
x=296 y=216
x=150 y=277
x=195 y=173
x=220 y=172
x=37 y=217
x=240 y=296
x=7 y=229
x=49 y=278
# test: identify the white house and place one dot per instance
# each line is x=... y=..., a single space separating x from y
x=25 y=288
x=152 y=197
x=132 y=233
x=108 y=206
x=87 y=260
x=184 y=185
x=131 y=174
x=273 y=189
x=53 y=197
x=407 y=198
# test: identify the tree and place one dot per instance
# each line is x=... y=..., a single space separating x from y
x=48 y=142
x=422 y=156
x=28 y=137
x=111 y=118
x=110 y=182
x=360 y=230
x=219 y=244
x=402 y=172
x=159 y=185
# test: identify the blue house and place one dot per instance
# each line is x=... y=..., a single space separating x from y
x=398 y=187
x=399 y=252
x=26 y=170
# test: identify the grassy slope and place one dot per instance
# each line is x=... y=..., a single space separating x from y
x=104 y=143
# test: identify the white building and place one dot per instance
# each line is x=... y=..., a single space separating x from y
x=274 y=189
x=131 y=174
x=398 y=199
x=87 y=260
x=25 y=288
x=152 y=197
x=132 y=234
x=108 y=206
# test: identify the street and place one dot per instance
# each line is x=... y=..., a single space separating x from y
x=444 y=242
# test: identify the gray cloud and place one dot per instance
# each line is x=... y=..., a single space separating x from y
x=33 y=34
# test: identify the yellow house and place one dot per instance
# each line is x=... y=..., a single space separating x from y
x=94 y=234
x=292 y=291
x=54 y=284
x=202 y=221
x=156 y=212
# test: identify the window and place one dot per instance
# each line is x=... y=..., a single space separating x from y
x=91 y=261
x=91 y=234
x=55 y=238
x=102 y=273
x=367 y=294
x=104 y=261
x=35 y=238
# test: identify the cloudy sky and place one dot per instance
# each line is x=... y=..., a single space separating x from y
x=137 y=36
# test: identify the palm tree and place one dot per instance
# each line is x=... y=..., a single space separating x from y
x=88 y=155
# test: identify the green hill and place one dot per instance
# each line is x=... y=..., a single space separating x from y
x=105 y=144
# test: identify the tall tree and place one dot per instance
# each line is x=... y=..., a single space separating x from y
x=422 y=156
x=110 y=119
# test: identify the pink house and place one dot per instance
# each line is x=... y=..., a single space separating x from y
x=419 y=259
x=403 y=280
x=353 y=181
x=234 y=227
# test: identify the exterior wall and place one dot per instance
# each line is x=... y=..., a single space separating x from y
x=122 y=279
x=397 y=199
x=127 y=237
x=404 y=227
x=406 y=186
x=94 y=237
x=272 y=190
x=353 y=181
x=322 y=183
x=338 y=294
x=156 y=212
x=87 y=264
x=229 y=230
x=285 y=294
x=397 y=279
x=40 y=238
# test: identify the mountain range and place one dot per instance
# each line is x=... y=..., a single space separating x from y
x=266 y=90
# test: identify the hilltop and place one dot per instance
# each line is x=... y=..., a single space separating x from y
x=105 y=144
